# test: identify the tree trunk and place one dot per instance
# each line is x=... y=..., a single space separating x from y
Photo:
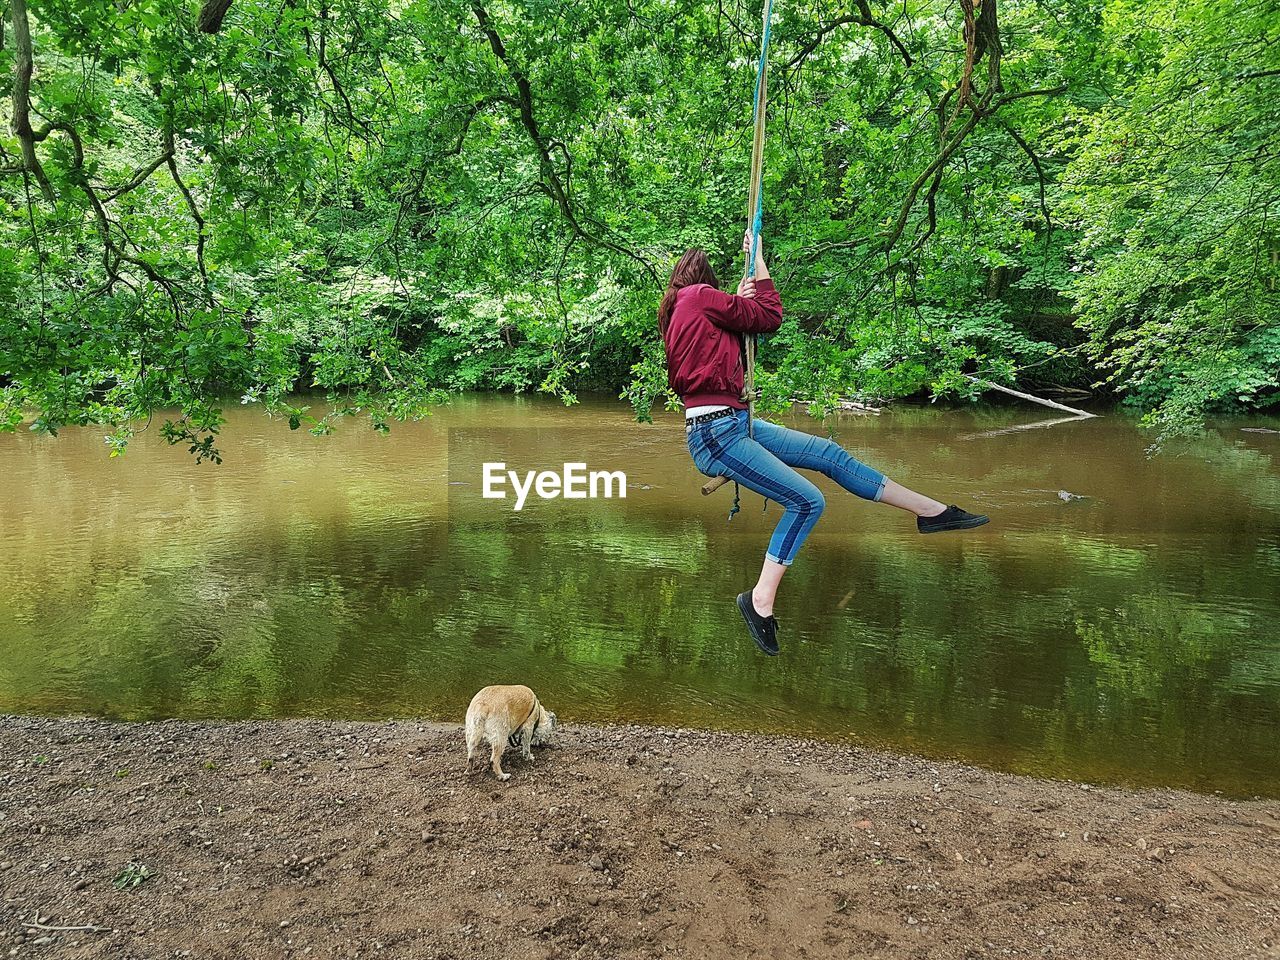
x=997 y=282
x=211 y=14
x=24 y=65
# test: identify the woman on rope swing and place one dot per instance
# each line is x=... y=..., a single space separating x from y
x=702 y=330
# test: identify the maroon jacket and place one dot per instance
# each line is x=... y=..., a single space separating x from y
x=704 y=346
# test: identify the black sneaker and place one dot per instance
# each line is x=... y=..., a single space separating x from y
x=952 y=518
x=764 y=630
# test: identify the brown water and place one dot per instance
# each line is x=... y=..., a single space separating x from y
x=1128 y=636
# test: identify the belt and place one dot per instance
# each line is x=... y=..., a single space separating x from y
x=702 y=418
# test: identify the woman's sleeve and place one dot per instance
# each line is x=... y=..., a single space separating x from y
x=759 y=314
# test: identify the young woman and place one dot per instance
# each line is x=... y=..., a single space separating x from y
x=702 y=330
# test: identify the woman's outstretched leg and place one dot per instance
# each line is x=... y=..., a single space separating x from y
x=896 y=495
x=808 y=452
x=931 y=516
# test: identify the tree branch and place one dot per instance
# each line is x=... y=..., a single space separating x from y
x=139 y=177
x=863 y=18
x=112 y=253
x=935 y=166
x=1023 y=94
x=869 y=20
x=982 y=38
x=1257 y=75
x=467 y=118
x=551 y=182
x=170 y=152
x=1035 y=162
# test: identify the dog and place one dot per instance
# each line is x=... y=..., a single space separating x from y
x=503 y=716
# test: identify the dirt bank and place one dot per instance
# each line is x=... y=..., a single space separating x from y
x=308 y=838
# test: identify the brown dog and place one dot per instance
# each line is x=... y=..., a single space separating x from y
x=506 y=716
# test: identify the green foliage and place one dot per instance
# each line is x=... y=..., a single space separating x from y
x=1176 y=196
x=357 y=200
x=132 y=874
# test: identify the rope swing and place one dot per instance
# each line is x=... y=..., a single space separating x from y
x=755 y=214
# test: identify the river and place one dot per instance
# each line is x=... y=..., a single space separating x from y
x=1118 y=620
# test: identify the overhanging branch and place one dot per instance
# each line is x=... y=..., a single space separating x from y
x=864 y=18
x=551 y=182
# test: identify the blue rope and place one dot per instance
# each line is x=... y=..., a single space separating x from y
x=758 y=213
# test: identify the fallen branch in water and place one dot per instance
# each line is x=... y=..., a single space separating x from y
x=1033 y=399
x=1001 y=431
x=857 y=406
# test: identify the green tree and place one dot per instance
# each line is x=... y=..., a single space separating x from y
x=383 y=202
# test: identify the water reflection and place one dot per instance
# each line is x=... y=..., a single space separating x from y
x=1128 y=635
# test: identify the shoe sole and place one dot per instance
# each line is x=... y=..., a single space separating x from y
x=746 y=617
x=958 y=525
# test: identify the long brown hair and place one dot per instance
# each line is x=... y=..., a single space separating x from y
x=693 y=267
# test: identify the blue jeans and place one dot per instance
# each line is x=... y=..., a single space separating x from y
x=764 y=464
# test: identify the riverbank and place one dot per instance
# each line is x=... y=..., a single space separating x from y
x=318 y=839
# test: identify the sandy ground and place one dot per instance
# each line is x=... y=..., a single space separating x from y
x=318 y=839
